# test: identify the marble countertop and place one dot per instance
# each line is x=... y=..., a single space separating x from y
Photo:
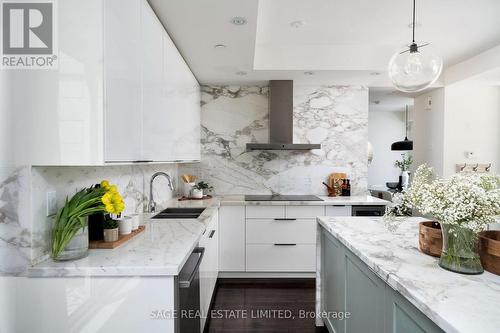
x=161 y=249
x=455 y=302
x=239 y=200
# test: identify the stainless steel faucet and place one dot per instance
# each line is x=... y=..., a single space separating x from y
x=152 y=203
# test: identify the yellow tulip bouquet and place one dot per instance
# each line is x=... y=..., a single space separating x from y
x=72 y=216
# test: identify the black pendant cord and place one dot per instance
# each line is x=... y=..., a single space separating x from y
x=413 y=24
x=406 y=123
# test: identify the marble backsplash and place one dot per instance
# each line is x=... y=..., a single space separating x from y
x=15 y=221
x=24 y=226
x=231 y=116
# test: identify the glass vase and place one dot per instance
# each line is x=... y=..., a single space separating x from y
x=77 y=247
x=460 y=250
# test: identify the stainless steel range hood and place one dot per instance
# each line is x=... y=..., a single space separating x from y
x=281 y=120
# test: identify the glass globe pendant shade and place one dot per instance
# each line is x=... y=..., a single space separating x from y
x=415 y=69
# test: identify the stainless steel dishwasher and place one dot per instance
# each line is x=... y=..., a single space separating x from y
x=188 y=292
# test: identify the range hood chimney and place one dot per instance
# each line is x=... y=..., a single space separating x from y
x=281 y=120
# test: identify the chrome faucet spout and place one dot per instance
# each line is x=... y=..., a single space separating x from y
x=152 y=203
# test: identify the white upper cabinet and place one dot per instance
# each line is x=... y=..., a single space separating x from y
x=169 y=112
x=122 y=77
x=157 y=138
x=121 y=92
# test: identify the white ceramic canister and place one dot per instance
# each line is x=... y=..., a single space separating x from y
x=135 y=221
x=125 y=225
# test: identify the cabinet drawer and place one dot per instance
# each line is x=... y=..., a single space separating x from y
x=270 y=231
x=338 y=210
x=256 y=212
x=281 y=258
x=310 y=212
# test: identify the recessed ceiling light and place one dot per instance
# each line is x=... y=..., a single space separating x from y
x=239 y=20
x=241 y=73
x=308 y=73
x=375 y=73
x=220 y=46
x=298 y=24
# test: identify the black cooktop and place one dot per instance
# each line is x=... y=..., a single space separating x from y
x=282 y=198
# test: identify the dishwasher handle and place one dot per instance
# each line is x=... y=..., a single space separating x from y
x=187 y=283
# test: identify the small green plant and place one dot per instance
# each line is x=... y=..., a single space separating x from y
x=203 y=186
x=405 y=163
x=109 y=223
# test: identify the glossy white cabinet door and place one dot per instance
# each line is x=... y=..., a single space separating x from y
x=338 y=210
x=55 y=116
x=232 y=238
x=95 y=304
x=157 y=137
x=187 y=134
x=182 y=94
x=122 y=77
x=209 y=268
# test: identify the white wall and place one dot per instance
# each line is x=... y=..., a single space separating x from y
x=472 y=123
x=463 y=117
x=428 y=129
x=384 y=128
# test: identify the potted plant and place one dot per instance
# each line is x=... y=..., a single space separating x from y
x=464 y=205
x=110 y=230
x=70 y=238
x=202 y=187
x=404 y=165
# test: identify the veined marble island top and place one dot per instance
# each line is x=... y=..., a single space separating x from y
x=455 y=302
x=161 y=249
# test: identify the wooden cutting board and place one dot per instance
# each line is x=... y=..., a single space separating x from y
x=101 y=244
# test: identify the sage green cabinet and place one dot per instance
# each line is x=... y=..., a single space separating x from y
x=349 y=285
x=403 y=317
x=333 y=282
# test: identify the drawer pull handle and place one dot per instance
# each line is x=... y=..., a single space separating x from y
x=284 y=244
x=285 y=219
x=211 y=234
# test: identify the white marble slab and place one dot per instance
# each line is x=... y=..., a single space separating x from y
x=232 y=116
x=455 y=302
x=162 y=249
x=359 y=200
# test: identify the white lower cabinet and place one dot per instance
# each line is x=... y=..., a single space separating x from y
x=281 y=238
x=209 y=267
x=281 y=257
x=338 y=211
x=273 y=238
x=232 y=238
x=290 y=231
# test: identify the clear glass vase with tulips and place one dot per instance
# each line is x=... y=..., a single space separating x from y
x=69 y=234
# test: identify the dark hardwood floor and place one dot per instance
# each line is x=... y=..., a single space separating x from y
x=263 y=306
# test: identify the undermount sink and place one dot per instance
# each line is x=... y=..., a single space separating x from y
x=179 y=213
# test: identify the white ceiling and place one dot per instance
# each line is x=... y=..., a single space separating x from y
x=388 y=100
x=342 y=41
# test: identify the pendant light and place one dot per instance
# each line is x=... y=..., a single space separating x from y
x=405 y=144
x=414 y=69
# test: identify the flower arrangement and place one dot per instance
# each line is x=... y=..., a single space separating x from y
x=71 y=218
x=464 y=205
x=112 y=200
x=405 y=163
x=468 y=200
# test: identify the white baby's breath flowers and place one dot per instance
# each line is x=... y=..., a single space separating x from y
x=469 y=200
